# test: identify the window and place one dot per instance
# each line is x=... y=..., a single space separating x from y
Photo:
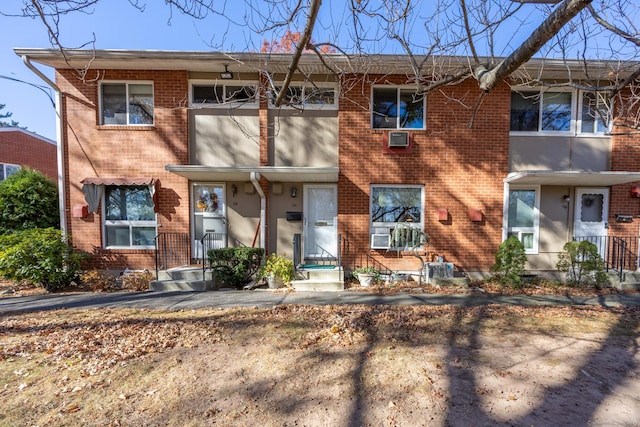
x=6 y=170
x=397 y=108
x=308 y=97
x=213 y=94
x=126 y=103
x=537 y=111
x=595 y=114
x=522 y=217
x=130 y=221
x=396 y=211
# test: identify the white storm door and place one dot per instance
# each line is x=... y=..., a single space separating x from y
x=320 y=232
x=591 y=216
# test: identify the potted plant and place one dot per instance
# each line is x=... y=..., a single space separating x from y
x=366 y=275
x=277 y=270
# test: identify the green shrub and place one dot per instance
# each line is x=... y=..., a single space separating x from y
x=583 y=264
x=235 y=266
x=510 y=261
x=277 y=266
x=38 y=257
x=28 y=199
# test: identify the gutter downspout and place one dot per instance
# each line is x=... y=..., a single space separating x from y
x=255 y=179
x=59 y=145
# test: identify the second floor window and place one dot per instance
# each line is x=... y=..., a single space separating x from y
x=218 y=94
x=126 y=103
x=594 y=113
x=308 y=97
x=535 y=111
x=397 y=108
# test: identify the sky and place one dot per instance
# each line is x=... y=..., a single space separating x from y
x=116 y=24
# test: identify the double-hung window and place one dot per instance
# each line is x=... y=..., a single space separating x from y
x=397 y=108
x=216 y=94
x=523 y=217
x=542 y=111
x=594 y=113
x=130 y=221
x=397 y=216
x=126 y=103
x=7 y=169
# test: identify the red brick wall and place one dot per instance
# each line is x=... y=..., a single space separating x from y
x=461 y=167
x=92 y=150
x=26 y=149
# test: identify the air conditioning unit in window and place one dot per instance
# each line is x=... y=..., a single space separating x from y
x=398 y=139
x=380 y=241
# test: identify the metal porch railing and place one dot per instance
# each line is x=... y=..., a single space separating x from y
x=172 y=250
x=207 y=242
x=619 y=253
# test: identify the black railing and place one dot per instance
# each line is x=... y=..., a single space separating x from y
x=619 y=253
x=207 y=242
x=172 y=250
x=360 y=260
x=321 y=254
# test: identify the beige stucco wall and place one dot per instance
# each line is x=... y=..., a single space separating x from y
x=308 y=138
x=559 y=153
x=243 y=215
x=279 y=204
x=218 y=137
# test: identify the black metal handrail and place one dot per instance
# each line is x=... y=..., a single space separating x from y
x=172 y=250
x=360 y=260
x=210 y=241
x=325 y=255
x=619 y=253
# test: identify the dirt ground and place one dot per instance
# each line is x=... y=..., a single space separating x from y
x=323 y=366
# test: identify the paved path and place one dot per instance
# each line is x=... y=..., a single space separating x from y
x=266 y=299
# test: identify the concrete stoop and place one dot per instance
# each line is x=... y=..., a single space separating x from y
x=319 y=279
x=630 y=280
x=182 y=279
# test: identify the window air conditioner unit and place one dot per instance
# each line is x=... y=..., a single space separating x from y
x=380 y=241
x=398 y=139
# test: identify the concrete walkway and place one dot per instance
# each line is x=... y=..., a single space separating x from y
x=266 y=299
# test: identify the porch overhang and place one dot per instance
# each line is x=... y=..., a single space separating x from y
x=571 y=178
x=243 y=173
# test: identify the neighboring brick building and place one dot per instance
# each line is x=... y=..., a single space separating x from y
x=359 y=167
x=19 y=148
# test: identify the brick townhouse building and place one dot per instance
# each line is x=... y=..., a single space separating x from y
x=20 y=148
x=351 y=170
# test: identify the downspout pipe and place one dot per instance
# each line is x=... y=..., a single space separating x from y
x=59 y=142
x=255 y=179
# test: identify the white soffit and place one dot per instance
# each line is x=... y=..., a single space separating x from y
x=243 y=173
x=572 y=178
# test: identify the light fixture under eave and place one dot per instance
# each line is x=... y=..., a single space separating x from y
x=226 y=74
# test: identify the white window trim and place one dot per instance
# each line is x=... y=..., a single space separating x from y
x=579 y=119
x=224 y=83
x=398 y=88
x=129 y=223
x=541 y=91
x=127 y=83
x=375 y=227
x=304 y=107
x=536 y=216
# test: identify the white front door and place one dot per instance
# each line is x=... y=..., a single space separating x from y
x=320 y=233
x=591 y=215
x=208 y=207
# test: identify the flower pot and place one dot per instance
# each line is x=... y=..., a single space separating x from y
x=366 y=279
x=274 y=281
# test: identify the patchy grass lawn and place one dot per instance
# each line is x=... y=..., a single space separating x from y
x=320 y=366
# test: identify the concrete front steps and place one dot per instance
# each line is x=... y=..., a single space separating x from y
x=630 y=280
x=182 y=279
x=318 y=278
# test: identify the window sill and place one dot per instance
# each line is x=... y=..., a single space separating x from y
x=126 y=127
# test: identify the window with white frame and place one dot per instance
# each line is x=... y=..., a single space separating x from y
x=126 y=103
x=7 y=169
x=216 y=94
x=397 y=216
x=541 y=111
x=397 y=108
x=308 y=96
x=522 y=217
x=130 y=221
x=595 y=112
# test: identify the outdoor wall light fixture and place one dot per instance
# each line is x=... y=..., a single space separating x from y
x=234 y=189
x=226 y=74
x=294 y=191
